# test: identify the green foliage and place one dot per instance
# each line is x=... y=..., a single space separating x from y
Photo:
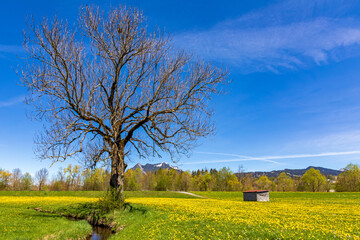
x=96 y=211
x=349 y=180
x=162 y=180
x=264 y=183
x=248 y=182
x=112 y=199
x=284 y=183
x=72 y=174
x=133 y=180
x=26 y=182
x=4 y=179
x=95 y=180
x=183 y=181
x=225 y=180
x=313 y=181
x=171 y=180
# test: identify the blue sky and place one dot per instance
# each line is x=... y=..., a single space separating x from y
x=295 y=96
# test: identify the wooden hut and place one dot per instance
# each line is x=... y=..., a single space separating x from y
x=256 y=195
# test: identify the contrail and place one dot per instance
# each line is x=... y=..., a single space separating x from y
x=311 y=155
x=239 y=158
x=270 y=158
x=233 y=160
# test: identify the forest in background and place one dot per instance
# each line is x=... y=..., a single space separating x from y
x=77 y=179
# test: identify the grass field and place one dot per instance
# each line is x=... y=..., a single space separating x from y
x=17 y=221
x=169 y=215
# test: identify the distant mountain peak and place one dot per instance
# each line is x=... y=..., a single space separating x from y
x=154 y=167
x=162 y=164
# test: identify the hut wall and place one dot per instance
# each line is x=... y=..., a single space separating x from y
x=262 y=197
x=256 y=196
x=250 y=196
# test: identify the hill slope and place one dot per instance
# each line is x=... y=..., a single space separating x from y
x=290 y=172
x=295 y=172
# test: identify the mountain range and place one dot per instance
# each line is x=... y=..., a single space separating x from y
x=294 y=172
x=290 y=172
x=154 y=167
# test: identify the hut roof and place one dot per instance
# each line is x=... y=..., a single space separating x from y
x=256 y=191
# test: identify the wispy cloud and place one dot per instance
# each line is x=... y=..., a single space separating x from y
x=229 y=160
x=337 y=141
x=11 y=48
x=238 y=159
x=270 y=158
x=12 y=101
x=286 y=35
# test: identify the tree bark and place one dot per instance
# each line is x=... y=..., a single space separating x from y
x=118 y=167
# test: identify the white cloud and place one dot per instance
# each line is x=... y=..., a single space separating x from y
x=286 y=35
x=12 y=101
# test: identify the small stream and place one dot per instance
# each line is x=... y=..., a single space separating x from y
x=98 y=232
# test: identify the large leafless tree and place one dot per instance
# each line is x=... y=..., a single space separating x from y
x=109 y=87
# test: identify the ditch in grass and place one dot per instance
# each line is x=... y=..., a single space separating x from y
x=101 y=214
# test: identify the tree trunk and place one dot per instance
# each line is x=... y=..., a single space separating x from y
x=118 y=167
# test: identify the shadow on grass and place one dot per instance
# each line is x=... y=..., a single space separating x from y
x=40 y=214
x=134 y=209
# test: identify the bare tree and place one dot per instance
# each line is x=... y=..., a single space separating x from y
x=41 y=176
x=241 y=172
x=109 y=88
x=16 y=179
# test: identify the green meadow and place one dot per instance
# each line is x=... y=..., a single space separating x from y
x=172 y=215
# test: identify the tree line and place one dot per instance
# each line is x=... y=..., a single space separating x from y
x=71 y=178
x=75 y=178
x=223 y=180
